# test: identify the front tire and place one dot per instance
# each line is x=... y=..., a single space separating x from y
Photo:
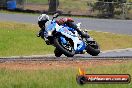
x=57 y=52
x=59 y=46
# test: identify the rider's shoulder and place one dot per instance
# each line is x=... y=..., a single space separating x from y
x=69 y=19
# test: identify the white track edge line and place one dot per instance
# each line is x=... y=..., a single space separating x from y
x=49 y=55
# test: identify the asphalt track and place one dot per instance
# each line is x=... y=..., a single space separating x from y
x=104 y=25
x=106 y=55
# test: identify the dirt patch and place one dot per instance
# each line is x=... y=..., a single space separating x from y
x=35 y=65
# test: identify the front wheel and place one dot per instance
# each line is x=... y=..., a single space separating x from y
x=93 y=48
x=66 y=49
x=57 y=52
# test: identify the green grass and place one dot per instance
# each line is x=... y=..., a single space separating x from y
x=109 y=41
x=74 y=5
x=38 y=1
x=14 y=12
x=20 y=39
x=66 y=5
x=59 y=78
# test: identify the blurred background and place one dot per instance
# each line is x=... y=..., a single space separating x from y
x=94 y=8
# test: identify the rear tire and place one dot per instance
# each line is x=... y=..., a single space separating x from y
x=93 y=50
x=62 y=49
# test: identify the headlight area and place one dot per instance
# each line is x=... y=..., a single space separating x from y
x=50 y=32
x=49 y=40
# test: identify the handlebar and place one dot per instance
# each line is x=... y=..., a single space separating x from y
x=55 y=16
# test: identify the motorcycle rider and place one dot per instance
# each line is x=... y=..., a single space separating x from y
x=42 y=19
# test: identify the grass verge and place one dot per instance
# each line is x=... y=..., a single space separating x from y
x=60 y=77
x=15 y=12
x=20 y=39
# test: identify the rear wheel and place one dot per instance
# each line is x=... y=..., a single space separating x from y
x=66 y=49
x=93 y=48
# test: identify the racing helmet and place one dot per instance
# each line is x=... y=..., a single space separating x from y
x=42 y=19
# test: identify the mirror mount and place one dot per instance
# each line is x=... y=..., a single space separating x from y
x=55 y=16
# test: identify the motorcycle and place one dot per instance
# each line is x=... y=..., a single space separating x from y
x=67 y=41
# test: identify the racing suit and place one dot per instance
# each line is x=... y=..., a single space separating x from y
x=68 y=21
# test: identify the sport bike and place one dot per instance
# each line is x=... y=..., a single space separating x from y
x=67 y=41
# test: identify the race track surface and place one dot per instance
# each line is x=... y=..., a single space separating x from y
x=104 y=25
x=107 y=55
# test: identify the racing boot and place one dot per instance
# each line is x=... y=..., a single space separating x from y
x=83 y=34
x=39 y=33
